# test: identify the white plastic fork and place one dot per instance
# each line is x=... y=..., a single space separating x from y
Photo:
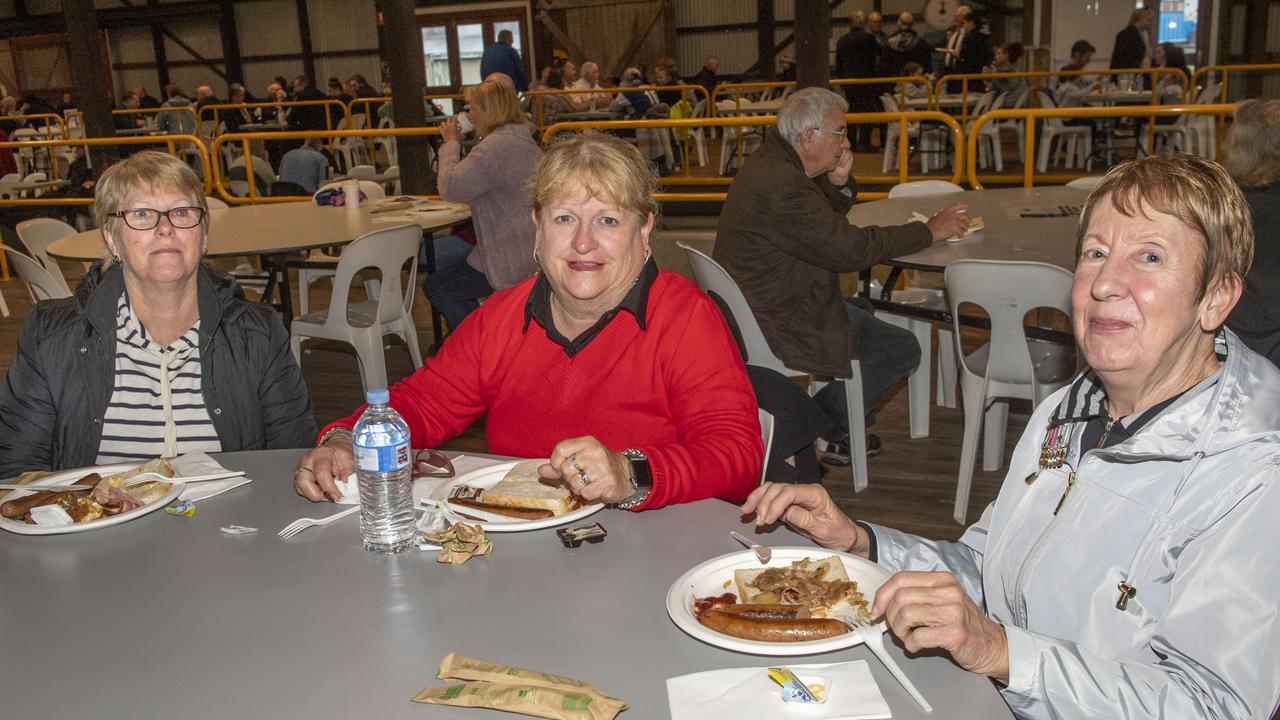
x=147 y=477
x=301 y=524
x=873 y=637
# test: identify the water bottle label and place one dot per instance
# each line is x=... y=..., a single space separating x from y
x=385 y=458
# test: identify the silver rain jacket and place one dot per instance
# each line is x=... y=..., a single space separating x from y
x=1187 y=512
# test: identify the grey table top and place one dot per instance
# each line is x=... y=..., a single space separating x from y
x=1010 y=234
x=166 y=615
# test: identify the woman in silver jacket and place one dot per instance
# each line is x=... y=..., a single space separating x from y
x=1128 y=567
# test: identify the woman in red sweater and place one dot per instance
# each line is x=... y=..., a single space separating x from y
x=624 y=376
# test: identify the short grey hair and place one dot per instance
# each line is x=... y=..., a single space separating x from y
x=1252 y=151
x=806 y=109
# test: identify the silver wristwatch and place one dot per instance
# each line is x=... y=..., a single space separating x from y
x=641 y=479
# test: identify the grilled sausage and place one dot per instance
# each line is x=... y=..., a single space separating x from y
x=767 y=629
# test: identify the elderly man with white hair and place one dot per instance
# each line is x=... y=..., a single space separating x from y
x=784 y=238
x=589 y=79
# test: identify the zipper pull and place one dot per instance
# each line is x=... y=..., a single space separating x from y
x=1071 y=482
x=1126 y=591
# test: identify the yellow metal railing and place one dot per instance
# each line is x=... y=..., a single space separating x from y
x=369 y=111
x=155 y=114
x=902 y=119
x=170 y=140
x=1029 y=116
x=335 y=112
x=369 y=102
x=47 y=118
x=1037 y=79
x=539 y=111
x=1225 y=71
x=244 y=139
x=902 y=81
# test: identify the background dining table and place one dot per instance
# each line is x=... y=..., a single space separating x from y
x=272 y=230
x=1035 y=224
x=168 y=616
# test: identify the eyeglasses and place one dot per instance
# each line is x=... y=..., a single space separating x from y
x=841 y=132
x=181 y=218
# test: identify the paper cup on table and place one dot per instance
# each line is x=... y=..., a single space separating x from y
x=351 y=193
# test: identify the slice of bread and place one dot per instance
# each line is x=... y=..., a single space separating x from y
x=522 y=487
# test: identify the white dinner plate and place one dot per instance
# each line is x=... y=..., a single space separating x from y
x=70 y=477
x=709 y=578
x=487 y=477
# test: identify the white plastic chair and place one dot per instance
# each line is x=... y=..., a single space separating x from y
x=352 y=151
x=766 y=434
x=362 y=324
x=386 y=143
x=989 y=151
x=1188 y=133
x=395 y=184
x=362 y=172
x=1017 y=126
x=35 y=177
x=933 y=299
x=928 y=137
x=36 y=234
x=713 y=278
x=923 y=187
x=1088 y=182
x=1010 y=365
x=751 y=138
x=698 y=134
x=319 y=265
x=1204 y=128
x=40 y=284
x=1075 y=142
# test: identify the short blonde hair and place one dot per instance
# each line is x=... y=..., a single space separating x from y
x=144 y=170
x=498 y=101
x=1252 y=151
x=1197 y=192
x=610 y=168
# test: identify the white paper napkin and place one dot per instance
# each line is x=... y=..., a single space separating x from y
x=749 y=693
x=199 y=463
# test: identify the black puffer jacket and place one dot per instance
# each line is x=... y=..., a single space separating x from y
x=55 y=395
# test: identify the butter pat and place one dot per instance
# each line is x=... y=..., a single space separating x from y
x=800 y=689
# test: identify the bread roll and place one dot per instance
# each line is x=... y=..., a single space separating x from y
x=522 y=487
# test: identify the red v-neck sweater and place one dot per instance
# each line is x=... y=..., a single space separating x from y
x=676 y=390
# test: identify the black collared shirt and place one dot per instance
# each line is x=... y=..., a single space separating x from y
x=538 y=307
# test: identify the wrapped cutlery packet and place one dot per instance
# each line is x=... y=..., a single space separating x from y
x=513 y=689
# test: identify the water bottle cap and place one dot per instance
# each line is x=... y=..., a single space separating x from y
x=378 y=396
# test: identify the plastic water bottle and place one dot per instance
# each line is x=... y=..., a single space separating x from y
x=383 y=469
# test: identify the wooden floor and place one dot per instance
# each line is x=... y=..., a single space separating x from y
x=912 y=482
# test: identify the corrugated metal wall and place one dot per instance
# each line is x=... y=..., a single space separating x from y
x=344 y=25
x=264 y=27
x=268 y=27
x=624 y=21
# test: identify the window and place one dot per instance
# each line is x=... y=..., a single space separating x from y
x=453 y=47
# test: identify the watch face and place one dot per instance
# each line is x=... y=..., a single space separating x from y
x=938 y=14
